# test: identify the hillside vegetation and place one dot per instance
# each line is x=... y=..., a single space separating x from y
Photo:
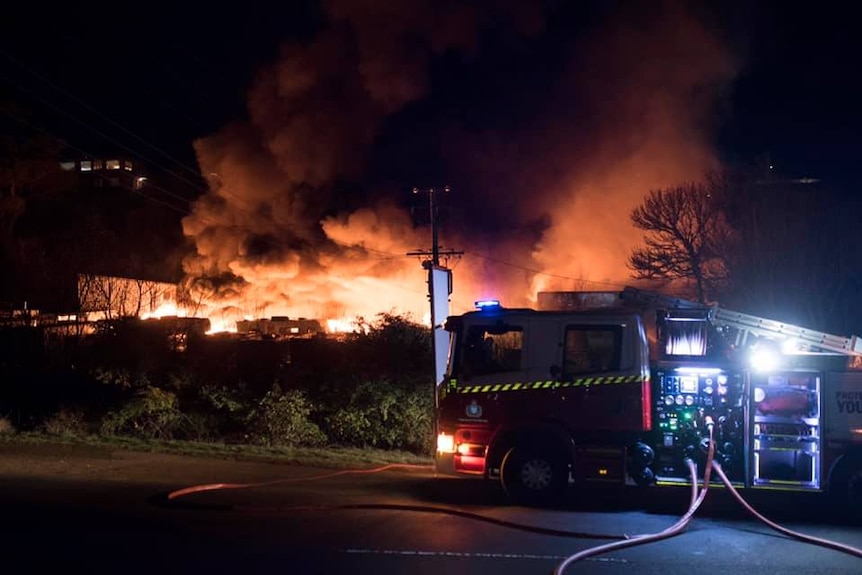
x=368 y=389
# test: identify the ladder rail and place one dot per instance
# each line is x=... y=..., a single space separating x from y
x=849 y=345
x=746 y=323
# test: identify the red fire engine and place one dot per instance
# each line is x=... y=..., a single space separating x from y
x=620 y=387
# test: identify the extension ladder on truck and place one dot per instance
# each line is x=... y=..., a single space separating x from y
x=745 y=324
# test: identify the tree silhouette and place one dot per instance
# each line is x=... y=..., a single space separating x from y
x=117 y=297
x=687 y=238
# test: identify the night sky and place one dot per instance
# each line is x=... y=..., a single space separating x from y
x=524 y=108
x=159 y=78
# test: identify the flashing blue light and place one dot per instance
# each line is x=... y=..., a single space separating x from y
x=483 y=304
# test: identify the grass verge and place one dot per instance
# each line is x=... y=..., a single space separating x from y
x=326 y=457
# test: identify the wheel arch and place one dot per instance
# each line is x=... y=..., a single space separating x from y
x=553 y=434
x=840 y=473
x=851 y=457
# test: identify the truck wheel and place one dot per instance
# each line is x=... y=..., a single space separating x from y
x=533 y=476
x=845 y=485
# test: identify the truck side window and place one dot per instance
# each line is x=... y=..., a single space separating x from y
x=592 y=349
x=492 y=350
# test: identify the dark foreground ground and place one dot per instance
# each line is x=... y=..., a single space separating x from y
x=103 y=510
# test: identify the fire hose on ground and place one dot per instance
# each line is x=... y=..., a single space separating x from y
x=173 y=496
x=675 y=529
x=696 y=500
x=618 y=541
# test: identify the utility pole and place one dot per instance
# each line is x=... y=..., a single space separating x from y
x=439 y=284
x=434 y=217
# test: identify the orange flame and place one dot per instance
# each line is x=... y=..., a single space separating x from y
x=266 y=228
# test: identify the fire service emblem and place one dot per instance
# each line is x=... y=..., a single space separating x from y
x=473 y=409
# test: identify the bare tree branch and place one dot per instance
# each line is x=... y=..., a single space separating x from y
x=687 y=238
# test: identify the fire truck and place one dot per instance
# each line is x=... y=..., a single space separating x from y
x=620 y=388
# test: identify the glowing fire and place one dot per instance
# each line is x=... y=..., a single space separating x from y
x=221 y=326
x=269 y=240
x=341 y=325
x=166 y=309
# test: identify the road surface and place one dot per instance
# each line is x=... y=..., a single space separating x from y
x=111 y=511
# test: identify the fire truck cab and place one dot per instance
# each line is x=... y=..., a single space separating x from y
x=621 y=387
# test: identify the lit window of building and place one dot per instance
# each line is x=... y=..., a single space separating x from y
x=127 y=165
x=86 y=165
x=98 y=164
x=112 y=164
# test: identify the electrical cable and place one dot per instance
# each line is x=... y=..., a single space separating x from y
x=102 y=134
x=93 y=110
x=185 y=211
x=195 y=185
x=173 y=496
x=181 y=210
x=615 y=286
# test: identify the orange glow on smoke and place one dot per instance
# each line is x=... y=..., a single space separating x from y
x=566 y=182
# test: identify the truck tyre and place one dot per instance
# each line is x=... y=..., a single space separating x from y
x=533 y=476
x=845 y=485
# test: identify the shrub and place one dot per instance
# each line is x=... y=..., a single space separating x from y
x=379 y=413
x=200 y=426
x=391 y=346
x=121 y=378
x=151 y=414
x=221 y=411
x=6 y=426
x=66 y=422
x=223 y=399
x=282 y=418
x=414 y=420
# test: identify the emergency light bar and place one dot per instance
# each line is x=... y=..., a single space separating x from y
x=483 y=304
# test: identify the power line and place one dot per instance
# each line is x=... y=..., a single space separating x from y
x=542 y=273
x=86 y=153
x=93 y=110
x=385 y=255
x=186 y=212
x=182 y=211
x=436 y=250
x=132 y=151
x=435 y=253
x=108 y=138
x=194 y=185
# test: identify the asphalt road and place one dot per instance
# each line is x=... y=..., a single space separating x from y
x=101 y=511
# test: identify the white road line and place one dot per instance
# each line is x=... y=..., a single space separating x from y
x=473 y=555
